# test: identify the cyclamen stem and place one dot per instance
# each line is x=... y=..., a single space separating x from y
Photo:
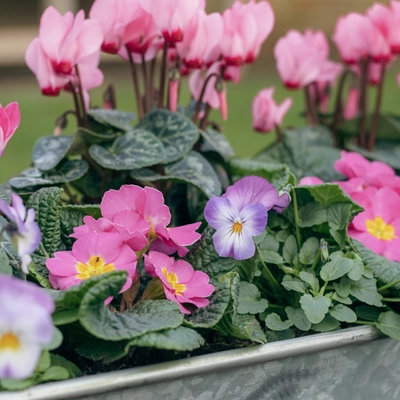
x=279 y=135
x=204 y=120
x=375 y=121
x=76 y=104
x=151 y=84
x=202 y=93
x=146 y=85
x=82 y=100
x=362 y=106
x=162 y=76
x=296 y=218
x=388 y=286
x=136 y=88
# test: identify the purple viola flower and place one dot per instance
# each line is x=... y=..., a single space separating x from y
x=242 y=213
x=26 y=326
x=23 y=231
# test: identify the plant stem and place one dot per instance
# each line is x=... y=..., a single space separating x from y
x=375 y=121
x=389 y=285
x=162 y=76
x=151 y=84
x=76 y=104
x=83 y=107
x=322 y=291
x=146 y=84
x=391 y=300
x=204 y=120
x=202 y=93
x=276 y=287
x=296 y=218
x=339 y=105
x=279 y=136
x=139 y=103
x=362 y=106
x=316 y=259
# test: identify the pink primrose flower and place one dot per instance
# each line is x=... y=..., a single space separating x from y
x=26 y=326
x=266 y=113
x=10 y=117
x=242 y=213
x=378 y=227
x=24 y=231
x=246 y=26
x=93 y=254
x=181 y=282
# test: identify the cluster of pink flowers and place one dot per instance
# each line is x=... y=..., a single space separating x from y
x=134 y=221
x=10 y=117
x=375 y=186
x=138 y=30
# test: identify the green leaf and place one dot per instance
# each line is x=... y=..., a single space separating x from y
x=48 y=151
x=271 y=257
x=274 y=322
x=311 y=279
x=327 y=324
x=114 y=118
x=343 y=313
x=64 y=317
x=336 y=268
x=90 y=137
x=312 y=214
x=365 y=290
x=339 y=215
x=208 y=316
x=282 y=236
x=46 y=203
x=389 y=324
x=44 y=361
x=180 y=339
x=136 y=149
x=290 y=249
x=67 y=171
x=205 y=258
x=5 y=192
x=144 y=317
x=216 y=141
x=308 y=151
x=59 y=361
x=368 y=313
x=344 y=300
x=5 y=267
x=102 y=350
x=12 y=384
x=357 y=271
x=250 y=301
x=193 y=169
x=384 y=270
x=315 y=308
x=267 y=241
x=298 y=318
x=308 y=251
x=177 y=133
x=343 y=287
x=55 y=373
x=274 y=336
x=278 y=174
x=290 y=283
x=56 y=340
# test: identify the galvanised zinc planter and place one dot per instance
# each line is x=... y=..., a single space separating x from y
x=351 y=364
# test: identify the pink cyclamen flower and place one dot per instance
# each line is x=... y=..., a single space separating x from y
x=266 y=113
x=302 y=59
x=378 y=227
x=23 y=230
x=357 y=38
x=386 y=20
x=181 y=282
x=10 y=118
x=310 y=181
x=201 y=37
x=172 y=17
x=26 y=326
x=242 y=213
x=246 y=26
x=92 y=254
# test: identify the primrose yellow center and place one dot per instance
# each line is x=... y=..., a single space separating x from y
x=378 y=228
x=237 y=226
x=173 y=281
x=94 y=267
x=9 y=341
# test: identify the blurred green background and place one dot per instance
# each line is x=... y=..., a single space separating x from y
x=39 y=113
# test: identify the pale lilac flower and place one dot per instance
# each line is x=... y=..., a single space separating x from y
x=241 y=213
x=23 y=230
x=26 y=326
x=181 y=282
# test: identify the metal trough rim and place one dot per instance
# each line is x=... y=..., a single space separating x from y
x=152 y=374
